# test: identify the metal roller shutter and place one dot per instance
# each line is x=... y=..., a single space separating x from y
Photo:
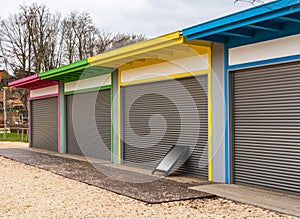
x=266 y=127
x=44 y=124
x=160 y=114
x=90 y=115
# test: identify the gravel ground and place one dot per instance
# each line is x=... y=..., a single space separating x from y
x=29 y=192
x=8 y=144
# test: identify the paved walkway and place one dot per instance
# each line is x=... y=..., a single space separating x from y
x=280 y=202
x=146 y=188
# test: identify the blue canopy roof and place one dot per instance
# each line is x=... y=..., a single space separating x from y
x=268 y=21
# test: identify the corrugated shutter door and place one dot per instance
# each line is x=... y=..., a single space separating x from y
x=44 y=124
x=266 y=132
x=90 y=114
x=160 y=114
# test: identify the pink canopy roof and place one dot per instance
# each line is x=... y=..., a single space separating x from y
x=32 y=82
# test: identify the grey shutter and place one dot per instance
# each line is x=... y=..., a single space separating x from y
x=44 y=124
x=93 y=139
x=266 y=131
x=182 y=105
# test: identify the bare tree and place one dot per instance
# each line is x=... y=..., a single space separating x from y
x=54 y=50
x=43 y=35
x=82 y=39
x=104 y=41
x=30 y=41
x=79 y=36
x=35 y=40
x=121 y=40
x=14 y=44
x=68 y=38
x=253 y=2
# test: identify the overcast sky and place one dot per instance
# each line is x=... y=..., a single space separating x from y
x=149 y=17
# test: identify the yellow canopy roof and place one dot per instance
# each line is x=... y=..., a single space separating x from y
x=164 y=48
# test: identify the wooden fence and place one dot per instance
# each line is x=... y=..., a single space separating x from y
x=14 y=134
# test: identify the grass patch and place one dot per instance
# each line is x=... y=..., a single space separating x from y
x=13 y=137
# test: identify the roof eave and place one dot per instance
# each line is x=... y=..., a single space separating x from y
x=240 y=19
x=32 y=82
x=24 y=82
x=137 y=49
x=64 y=70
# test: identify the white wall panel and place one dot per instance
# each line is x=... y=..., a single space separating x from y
x=191 y=64
x=44 y=91
x=286 y=46
x=88 y=83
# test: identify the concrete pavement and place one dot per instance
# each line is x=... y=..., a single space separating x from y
x=279 y=202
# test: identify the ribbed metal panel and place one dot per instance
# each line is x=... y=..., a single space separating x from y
x=266 y=127
x=160 y=114
x=44 y=124
x=90 y=115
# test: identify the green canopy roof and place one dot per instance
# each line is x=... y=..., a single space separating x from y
x=75 y=71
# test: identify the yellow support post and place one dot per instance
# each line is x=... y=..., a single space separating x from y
x=119 y=117
x=210 y=167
